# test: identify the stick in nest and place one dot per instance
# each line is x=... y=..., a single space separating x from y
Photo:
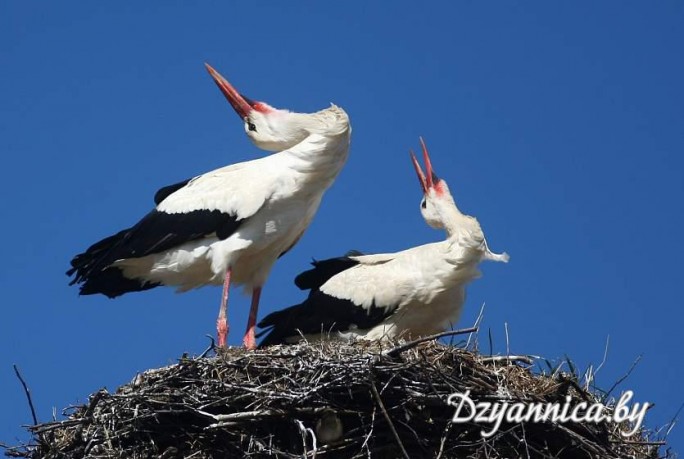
x=376 y=394
x=403 y=347
x=28 y=394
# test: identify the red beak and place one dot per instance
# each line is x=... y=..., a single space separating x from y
x=419 y=172
x=429 y=173
x=240 y=105
x=427 y=180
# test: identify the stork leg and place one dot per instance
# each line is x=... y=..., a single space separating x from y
x=249 y=340
x=222 y=321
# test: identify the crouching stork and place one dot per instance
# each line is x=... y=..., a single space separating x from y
x=408 y=294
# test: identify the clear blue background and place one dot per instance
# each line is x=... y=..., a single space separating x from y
x=560 y=125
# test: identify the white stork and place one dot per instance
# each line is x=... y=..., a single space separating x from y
x=408 y=294
x=227 y=226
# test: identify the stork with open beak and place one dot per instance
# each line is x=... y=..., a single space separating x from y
x=230 y=225
x=408 y=294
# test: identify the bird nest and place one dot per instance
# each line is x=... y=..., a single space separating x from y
x=330 y=400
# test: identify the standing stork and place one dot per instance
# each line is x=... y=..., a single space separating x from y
x=408 y=294
x=227 y=226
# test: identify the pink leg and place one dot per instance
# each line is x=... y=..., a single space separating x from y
x=249 y=340
x=222 y=322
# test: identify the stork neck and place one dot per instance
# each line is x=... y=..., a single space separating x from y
x=322 y=154
x=458 y=225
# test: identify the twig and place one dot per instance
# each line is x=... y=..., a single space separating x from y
x=605 y=356
x=508 y=347
x=93 y=402
x=476 y=324
x=370 y=432
x=442 y=441
x=590 y=445
x=304 y=431
x=403 y=347
x=388 y=419
x=28 y=394
x=491 y=345
x=14 y=451
x=671 y=424
x=227 y=419
x=232 y=418
x=508 y=358
x=42 y=428
x=629 y=372
x=524 y=440
x=211 y=347
x=640 y=442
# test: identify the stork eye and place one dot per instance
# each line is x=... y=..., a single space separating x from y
x=251 y=126
x=423 y=203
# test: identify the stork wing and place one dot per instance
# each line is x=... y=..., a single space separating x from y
x=385 y=285
x=216 y=203
x=167 y=191
x=374 y=259
x=325 y=269
x=320 y=313
x=351 y=292
x=240 y=189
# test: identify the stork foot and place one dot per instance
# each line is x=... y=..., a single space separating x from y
x=221 y=331
x=249 y=340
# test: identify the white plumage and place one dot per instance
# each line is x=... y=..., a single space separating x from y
x=231 y=224
x=412 y=293
x=276 y=197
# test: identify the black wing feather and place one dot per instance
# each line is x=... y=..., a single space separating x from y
x=160 y=231
x=320 y=313
x=323 y=270
x=167 y=191
x=156 y=232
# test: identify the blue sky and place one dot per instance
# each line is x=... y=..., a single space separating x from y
x=559 y=125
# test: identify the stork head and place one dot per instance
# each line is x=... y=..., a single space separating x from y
x=440 y=211
x=269 y=128
x=437 y=205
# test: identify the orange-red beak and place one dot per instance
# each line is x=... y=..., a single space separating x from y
x=240 y=104
x=429 y=178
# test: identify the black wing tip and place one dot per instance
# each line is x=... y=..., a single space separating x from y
x=167 y=191
x=279 y=325
x=90 y=272
x=95 y=258
x=270 y=339
x=321 y=314
x=323 y=270
x=350 y=253
x=300 y=280
x=278 y=317
x=112 y=283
